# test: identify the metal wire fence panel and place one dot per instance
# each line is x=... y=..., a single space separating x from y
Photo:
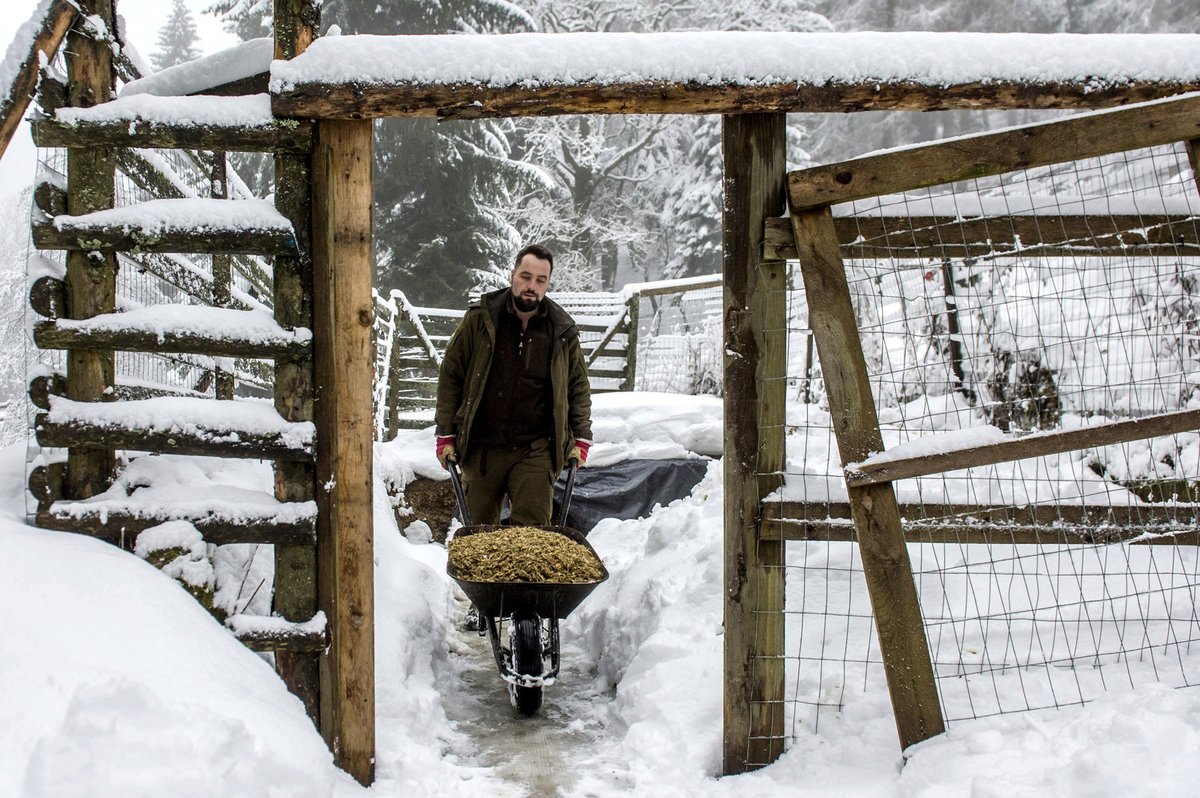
x=680 y=348
x=1053 y=299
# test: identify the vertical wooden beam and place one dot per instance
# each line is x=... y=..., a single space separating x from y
x=632 y=311
x=91 y=276
x=222 y=267
x=876 y=515
x=754 y=154
x=295 y=596
x=343 y=345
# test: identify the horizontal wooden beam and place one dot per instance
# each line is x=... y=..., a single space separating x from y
x=117 y=238
x=275 y=634
x=49 y=335
x=77 y=434
x=1025 y=147
x=919 y=237
x=472 y=101
x=1038 y=444
x=286 y=135
x=120 y=526
x=1043 y=524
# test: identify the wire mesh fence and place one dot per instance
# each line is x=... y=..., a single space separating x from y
x=1039 y=301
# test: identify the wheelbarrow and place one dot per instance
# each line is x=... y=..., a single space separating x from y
x=521 y=618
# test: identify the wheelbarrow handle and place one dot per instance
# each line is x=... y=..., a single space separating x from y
x=460 y=497
x=572 y=467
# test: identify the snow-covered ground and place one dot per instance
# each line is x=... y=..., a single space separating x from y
x=116 y=682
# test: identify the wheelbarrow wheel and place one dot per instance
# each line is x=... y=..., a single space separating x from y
x=527 y=661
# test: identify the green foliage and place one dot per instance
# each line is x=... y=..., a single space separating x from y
x=177 y=39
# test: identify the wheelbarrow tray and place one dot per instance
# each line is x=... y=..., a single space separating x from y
x=547 y=599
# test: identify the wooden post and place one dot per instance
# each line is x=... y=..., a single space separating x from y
x=343 y=341
x=222 y=267
x=632 y=309
x=58 y=18
x=91 y=276
x=295 y=596
x=876 y=515
x=755 y=341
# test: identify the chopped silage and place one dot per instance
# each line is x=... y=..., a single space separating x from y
x=523 y=554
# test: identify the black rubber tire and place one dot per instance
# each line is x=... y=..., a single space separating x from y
x=527 y=661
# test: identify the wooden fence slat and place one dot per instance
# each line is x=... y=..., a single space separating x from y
x=1037 y=444
x=886 y=566
x=1026 y=147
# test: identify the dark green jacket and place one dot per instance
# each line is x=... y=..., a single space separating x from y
x=468 y=360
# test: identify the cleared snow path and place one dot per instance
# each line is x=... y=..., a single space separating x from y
x=538 y=755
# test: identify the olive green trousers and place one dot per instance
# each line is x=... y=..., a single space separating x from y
x=522 y=473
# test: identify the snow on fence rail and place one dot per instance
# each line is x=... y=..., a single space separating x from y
x=991 y=310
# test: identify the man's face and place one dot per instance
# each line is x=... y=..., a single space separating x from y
x=529 y=282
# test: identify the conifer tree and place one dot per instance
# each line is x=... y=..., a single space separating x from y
x=177 y=38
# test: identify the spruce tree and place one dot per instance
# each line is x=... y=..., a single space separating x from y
x=177 y=38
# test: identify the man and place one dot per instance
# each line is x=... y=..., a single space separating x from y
x=513 y=401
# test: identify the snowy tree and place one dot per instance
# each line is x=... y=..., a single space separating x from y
x=177 y=39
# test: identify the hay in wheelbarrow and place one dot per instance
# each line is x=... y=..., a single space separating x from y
x=523 y=554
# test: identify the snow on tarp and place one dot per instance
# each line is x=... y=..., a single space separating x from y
x=741 y=58
x=258 y=326
x=216 y=421
x=194 y=214
x=253 y=110
x=240 y=61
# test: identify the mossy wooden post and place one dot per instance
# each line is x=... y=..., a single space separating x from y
x=874 y=509
x=91 y=276
x=222 y=268
x=295 y=596
x=344 y=348
x=754 y=447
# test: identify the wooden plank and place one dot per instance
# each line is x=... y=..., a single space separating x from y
x=271 y=633
x=295 y=597
x=286 y=135
x=91 y=277
x=84 y=236
x=1038 y=444
x=1025 y=147
x=58 y=18
x=49 y=335
x=878 y=237
x=343 y=321
x=997 y=524
x=754 y=163
x=888 y=572
x=471 y=101
x=121 y=526
x=195 y=440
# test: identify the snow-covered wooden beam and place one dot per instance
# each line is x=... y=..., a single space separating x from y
x=939 y=453
x=868 y=237
x=231 y=124
x=542 y=74
x=176 y=425
x=173 y=225
x=37 y=39
x=1088 y=135
x=114 y=521
x=1046 y=524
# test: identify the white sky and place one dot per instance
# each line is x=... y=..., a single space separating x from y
x=143 y=20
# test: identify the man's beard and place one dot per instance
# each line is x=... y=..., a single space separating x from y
x=525 y=305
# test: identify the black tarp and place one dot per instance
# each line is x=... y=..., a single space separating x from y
x=628 y=489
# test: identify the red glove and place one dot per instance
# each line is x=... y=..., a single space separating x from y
x=446 y=453
x=579 y=451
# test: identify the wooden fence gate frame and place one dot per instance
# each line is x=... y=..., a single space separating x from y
x=337 y=178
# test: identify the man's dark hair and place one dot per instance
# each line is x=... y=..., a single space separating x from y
x=537 y=251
